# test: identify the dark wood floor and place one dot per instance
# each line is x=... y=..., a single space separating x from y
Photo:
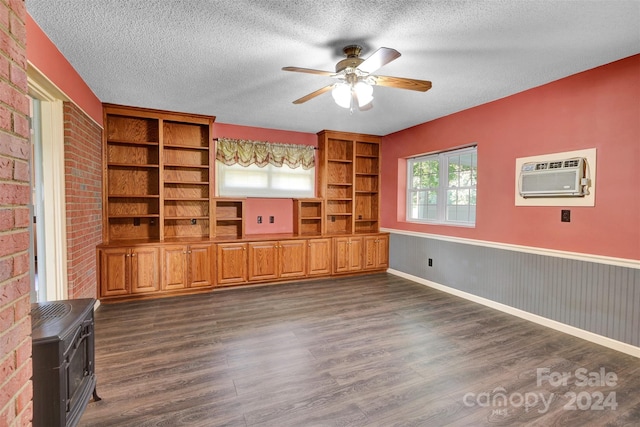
x=363 y=351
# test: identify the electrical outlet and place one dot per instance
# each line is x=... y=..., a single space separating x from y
x=272 y=219
x=430 y=262
x=565 y=215
x=259 y=219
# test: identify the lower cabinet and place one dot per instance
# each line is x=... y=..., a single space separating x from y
x=174 y=268
x=347 y=254
x=231 y=263
x=376 y=252
x=272 y=260
x=126 y=271
x=188 y=266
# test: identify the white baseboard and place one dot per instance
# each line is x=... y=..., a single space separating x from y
x=553 y=324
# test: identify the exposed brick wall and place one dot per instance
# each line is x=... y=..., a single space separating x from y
x=83 y=194
x=15 y=155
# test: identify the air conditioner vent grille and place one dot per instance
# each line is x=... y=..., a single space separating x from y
x=541 y=166
x=555 y=165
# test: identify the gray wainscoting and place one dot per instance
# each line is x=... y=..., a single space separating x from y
x=599 y=298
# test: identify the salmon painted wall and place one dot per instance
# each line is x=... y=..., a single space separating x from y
x=46 y=57
x=281 y=209
x=598 y=108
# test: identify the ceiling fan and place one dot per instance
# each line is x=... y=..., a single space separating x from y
x=356 y=79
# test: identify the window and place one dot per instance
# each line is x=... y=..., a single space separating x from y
x=441 y=187
x=260 y=169
x=268 y=181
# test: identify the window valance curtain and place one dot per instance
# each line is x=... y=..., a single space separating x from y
x=245 y=152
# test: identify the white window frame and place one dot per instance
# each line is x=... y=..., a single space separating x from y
x=444 y=211
x=264 y=182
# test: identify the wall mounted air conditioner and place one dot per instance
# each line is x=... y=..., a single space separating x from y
x=555 y=178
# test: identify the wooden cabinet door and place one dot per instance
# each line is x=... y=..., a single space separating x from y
x=319 y=257
x=341 y=258
x=355 y=253
x=174 y=267
x=145 y=270
x=263 y=260
x=383 y=251
x=231 y=262
x=114 y=271
x=293 y=258
x=201 y=265
x=370 y=259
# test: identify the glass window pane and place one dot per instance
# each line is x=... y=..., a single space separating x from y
x=458 y=193
x=452 y=197
x=268 y=181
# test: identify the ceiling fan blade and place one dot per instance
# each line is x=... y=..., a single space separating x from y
x=379 y=58
x=308 y=71
x=313 y=94
x=402 y=83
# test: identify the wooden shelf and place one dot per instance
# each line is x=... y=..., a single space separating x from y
x=229 y=217
x=132 y=165
x=186 y=166
x=185 y=147
x=349 y=181
x=165 y=158
x=308 y=217
x=135 y=216
x=186 y=182
x=186 y=217
x=140 y=143
x=134 y=196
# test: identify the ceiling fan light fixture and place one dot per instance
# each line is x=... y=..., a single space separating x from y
x=341 y=93
x=364 y=92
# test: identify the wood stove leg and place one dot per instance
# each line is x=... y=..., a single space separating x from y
x=96 y=398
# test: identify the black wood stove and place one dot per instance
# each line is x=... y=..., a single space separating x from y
x=63 y=361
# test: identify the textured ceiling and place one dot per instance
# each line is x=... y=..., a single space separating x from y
x=224 y=57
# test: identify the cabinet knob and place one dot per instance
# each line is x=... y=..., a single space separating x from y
x=133 y=254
